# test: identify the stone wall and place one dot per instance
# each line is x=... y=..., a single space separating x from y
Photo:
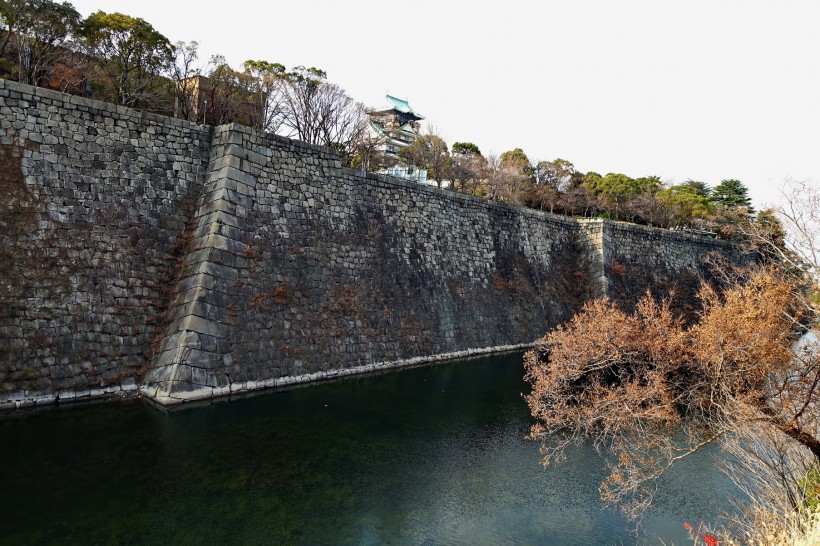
x=638 y=258
x=95 y=198
x=302 y=269
x=137 y=250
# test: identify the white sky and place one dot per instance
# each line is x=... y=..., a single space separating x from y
x=701 y=89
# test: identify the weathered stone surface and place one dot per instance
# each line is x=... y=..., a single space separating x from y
x=95 y=201
x=136 y=249
x=343 y=273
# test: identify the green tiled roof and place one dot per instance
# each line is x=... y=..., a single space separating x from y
x=402 y=106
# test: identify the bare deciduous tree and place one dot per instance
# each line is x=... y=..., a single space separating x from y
x=466 y=170
x=348 y=132
x=772 y=471
x=311 y=105
x=217 y=104
x=794 y=238
x=184 y=69
x=366 y=151
x=502 y=181
x=317 y=111
x=265 y=88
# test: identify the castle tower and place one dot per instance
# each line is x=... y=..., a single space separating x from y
x=396 y=126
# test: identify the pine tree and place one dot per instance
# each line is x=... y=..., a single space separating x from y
x=731 y=194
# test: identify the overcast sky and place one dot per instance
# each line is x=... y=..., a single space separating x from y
x=700 y=89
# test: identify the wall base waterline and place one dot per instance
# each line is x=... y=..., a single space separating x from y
x=237 y=389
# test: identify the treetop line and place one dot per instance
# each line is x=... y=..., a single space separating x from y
x=123 y=59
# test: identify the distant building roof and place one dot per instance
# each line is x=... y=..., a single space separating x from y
x=401 y=106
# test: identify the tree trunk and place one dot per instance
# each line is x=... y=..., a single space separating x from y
x=802 y=437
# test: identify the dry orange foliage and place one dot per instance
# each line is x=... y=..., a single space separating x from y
x=648 y=390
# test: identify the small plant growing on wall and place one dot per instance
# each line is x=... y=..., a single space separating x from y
x=617 y=269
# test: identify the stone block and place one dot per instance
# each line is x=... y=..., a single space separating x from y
x=205 y=326
x=226 y=274
x=199 y=376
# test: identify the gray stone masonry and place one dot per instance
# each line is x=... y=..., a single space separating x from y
x=195 y=347
x=591 y=247
x=638 y=258
x=302 y=270
x=95 y=199
x=138 y=251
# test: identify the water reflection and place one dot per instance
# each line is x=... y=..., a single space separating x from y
x=430 y=455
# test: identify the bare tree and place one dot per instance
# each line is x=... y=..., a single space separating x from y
x=222 y=98
x=183 y=72
x=266 y=86
x=551 y=179
x=350 y=134
x=299 y=104
x=340 y=120
x=646 y=208
x=366 y=150
x=772 y=471
x=578 y=199
x=795 y=240
x=317 y=111
x=466 y=170
x=502 y=181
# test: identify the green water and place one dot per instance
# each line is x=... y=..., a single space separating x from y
x=430 y=455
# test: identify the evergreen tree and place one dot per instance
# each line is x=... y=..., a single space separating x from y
x=464 y=148
x=731 y=194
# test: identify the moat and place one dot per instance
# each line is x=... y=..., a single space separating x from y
x=430 y=455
